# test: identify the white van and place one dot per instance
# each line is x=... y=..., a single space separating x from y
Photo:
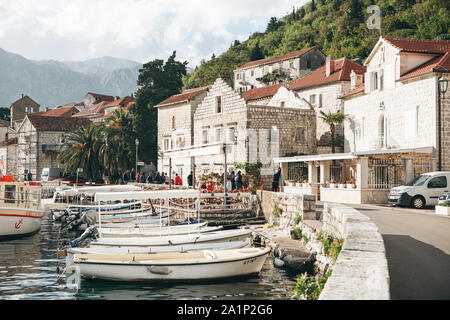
x=422 y=191
x=50 y=174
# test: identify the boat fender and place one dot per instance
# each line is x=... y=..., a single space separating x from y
x=209 y=255
x=159 y=270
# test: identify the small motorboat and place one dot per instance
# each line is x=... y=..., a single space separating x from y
x=214 y=236
x=70 y=252
x=205 y=265
x=157 y=231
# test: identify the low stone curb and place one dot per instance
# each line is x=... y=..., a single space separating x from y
x=361 y=270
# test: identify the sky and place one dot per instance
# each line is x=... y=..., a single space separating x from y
x=139 y=30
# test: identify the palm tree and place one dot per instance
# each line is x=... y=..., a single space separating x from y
x=80 y=150
x=332 y=119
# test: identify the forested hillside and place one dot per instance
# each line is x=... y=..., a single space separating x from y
x=337 y=27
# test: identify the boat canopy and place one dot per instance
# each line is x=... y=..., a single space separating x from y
x=146 y=195
x=94 y=190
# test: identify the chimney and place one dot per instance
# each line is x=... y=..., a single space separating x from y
x=329 y=66
x=355 y=80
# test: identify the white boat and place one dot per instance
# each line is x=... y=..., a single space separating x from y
x=157 y=231
x=70 y=252
x=214 y=236
x=21 y=212
x=203 y=265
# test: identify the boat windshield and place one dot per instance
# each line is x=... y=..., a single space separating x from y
x=418 y=181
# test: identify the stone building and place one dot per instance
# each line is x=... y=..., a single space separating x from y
x=252 y=133
x=398 y=125
x=176 y=131
x=396 y=110
x=20 y=107
x=38 y=142
x=8 y=156
x=281 y=69
x=319 y=89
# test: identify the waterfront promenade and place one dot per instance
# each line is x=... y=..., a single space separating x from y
x=417 y=249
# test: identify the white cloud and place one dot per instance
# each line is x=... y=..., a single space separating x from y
x=134 y=29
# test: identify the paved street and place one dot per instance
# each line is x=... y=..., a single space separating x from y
x=417 y=249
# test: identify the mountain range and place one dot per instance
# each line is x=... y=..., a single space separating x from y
x=53 y=83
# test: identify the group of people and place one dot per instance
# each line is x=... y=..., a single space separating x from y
x=234 y=182
x=154 y=178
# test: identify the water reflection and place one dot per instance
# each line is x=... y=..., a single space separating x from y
x=29 y=270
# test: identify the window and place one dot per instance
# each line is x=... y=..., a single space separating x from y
x=252 y=73
x=273 y=134
x=312 y=100
x=166 y=144
x=438 y=182
x=382 y=131
x=219 y=104
x=231 y=133
x=300 y=135
x=205 y=136
x=358 y=133
x=237 y=76
x=374 y=80
x=218 y=134
x=180 y=142
x=282 y=104
x=173 y=122
x=308 y=64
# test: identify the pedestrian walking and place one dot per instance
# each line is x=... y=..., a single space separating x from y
x=233 y=182
x=178 y=181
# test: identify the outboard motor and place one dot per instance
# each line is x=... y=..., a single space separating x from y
x=91 y=233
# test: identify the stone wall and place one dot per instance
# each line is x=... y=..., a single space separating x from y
x=291 y=205
x=445 y=135
x=361 y=270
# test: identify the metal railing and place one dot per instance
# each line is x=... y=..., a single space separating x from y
x=21 y=199
x=297 y=171
x=385 y=173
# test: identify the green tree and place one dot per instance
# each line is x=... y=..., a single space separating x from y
x=80 y=149
x=158 y=80
x=256 y=53
x=332 y=119
x=116 y=152
x=5 y=114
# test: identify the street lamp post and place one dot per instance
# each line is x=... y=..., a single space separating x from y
x=137 y=145
x=442 y=86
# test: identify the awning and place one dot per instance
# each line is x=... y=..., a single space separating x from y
x=317 y=157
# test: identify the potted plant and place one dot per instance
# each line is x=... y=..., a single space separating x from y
x=305 y=184
x=341 y=185
x=333 y=183
x=443 y=209
x=298 y=183
x=291 y=183
x=351 y=184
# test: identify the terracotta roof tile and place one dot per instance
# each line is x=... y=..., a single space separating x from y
x=438 y=64
x=260 y=93
x=353 y=91
x=60 y=112
x=102 y=97
x=95 y=109
x=63 y=124
x=184 y=96
x=419 y=45
x=275 y=59
x=342 y=70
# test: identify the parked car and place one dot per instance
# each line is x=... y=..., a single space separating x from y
x=422 y=191
x=444 y=198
